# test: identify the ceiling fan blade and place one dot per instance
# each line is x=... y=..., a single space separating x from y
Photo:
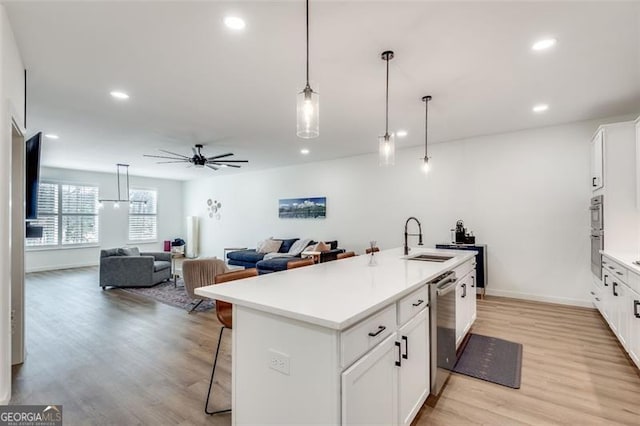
x=212 y=167
x=177 y=161
x=227 y=165
x=161 y=156
x=220 y=156
x=230 y=161
x=173 y=153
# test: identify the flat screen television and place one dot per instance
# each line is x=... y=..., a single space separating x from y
x=32 y=176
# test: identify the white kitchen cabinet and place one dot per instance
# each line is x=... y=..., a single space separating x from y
x=597 y=161
x=634 y=326
x=638 y=163
x=370 y=387
x=413 y=380
x=465 y=306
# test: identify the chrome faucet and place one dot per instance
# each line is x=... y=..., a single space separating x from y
x=406 y=234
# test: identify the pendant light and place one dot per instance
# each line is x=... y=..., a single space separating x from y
x=425 y=160
x=386 y=143
x=308 y=104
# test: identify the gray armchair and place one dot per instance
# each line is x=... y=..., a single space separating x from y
x=127 y=267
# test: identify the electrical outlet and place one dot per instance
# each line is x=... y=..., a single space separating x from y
x=278 y=361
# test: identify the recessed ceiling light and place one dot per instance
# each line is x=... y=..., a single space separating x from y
x=119 y=95
x=234 y=23
x=304 y=151
x=401 y=133
x=540 y=108
x=51 y=136
x=544 y=44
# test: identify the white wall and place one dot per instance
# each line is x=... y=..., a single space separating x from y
x=524 y=194
x=11 y=106
x=113 y=222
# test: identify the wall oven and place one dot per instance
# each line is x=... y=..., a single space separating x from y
x=597 y=235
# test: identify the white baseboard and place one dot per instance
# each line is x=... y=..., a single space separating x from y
x=537 y=298
x=58 y=267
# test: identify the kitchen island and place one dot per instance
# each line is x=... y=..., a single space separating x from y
x=336 y=343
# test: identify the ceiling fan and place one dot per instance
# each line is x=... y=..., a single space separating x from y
x=198 y=159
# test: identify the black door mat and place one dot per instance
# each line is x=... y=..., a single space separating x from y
x=494 y=360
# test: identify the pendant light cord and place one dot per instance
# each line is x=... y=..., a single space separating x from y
x=426 y=126
x=307 y=43
x=386 y=125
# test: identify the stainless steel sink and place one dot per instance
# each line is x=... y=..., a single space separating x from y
x=430 y=257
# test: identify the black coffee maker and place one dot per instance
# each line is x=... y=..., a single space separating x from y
x=461 y=236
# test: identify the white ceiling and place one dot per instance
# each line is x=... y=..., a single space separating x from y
x=192 y=80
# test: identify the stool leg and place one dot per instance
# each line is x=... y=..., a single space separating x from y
x=213 y=371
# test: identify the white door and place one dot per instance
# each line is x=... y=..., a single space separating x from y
x=634 y=327
x=370 y=386
x=597 y=158
x=413 y=379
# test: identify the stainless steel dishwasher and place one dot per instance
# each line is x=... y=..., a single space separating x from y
x=442 y=316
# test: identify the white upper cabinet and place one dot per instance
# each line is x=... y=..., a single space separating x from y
x=597 y=161
x=638 y=163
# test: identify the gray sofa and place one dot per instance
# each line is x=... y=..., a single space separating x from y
x=127 y=267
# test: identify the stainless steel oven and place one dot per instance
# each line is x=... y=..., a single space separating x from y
x=597 y=234
x=597 y=223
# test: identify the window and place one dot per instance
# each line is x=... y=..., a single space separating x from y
x=68 y=214
x=143 y=215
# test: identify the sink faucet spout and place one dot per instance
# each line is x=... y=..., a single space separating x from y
x=406 y=234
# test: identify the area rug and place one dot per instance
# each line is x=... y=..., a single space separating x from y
x=491 y=359
x=166 y=293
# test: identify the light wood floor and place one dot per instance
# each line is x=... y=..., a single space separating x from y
x=115 y=358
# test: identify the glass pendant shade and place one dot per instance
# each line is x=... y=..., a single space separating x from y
x=308 y=113
x=425 y=165
x=387 y=150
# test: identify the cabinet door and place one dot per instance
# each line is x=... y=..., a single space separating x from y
x=472 y=307
x=597 y=158
x=413 y=378
x=370 y=386
x=623 y=305
x=634 y=327
x=461 y=310
x=607 y=298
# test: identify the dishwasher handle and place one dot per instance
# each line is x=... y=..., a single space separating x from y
x=443 y=289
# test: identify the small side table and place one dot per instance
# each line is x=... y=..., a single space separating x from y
x=313 y=254
x=176 y=266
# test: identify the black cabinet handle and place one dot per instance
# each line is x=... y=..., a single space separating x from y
x=380 y=330
x=605 y=280
x=614 y=288
x=406 y=347
x=618 y=272
x=597 y=299
x=418 y=303
x=592 y=293
x=399 y=361
x=593 y=181
x=473 y=284
x=636 y=303
x=464 y=290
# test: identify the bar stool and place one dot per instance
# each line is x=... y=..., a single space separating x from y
x=292 y=264
x=345 y=255
x=224 y=312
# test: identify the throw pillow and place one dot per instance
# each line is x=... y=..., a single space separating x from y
x=320 y=247
x=299 y=246
x=286 y=245
x=128 y=251
x=269 y=246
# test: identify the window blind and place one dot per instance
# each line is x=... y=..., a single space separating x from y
x=143 y=219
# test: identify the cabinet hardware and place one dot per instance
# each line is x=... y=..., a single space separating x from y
x=636 y=303
x=406 y=347
x=418 y=303
x=593 y=181
x=464 y=290
x=614 y=288
x=618 y=272
x=381 y=328
x=473 y=277
x=399 y=361
x=592 y=293
x=604 y=280
x=598 y=299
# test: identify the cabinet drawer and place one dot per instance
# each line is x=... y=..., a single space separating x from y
x=616 y=270
x=363 y=336
x=465 y=268
x=595 y=294
x=410 y=305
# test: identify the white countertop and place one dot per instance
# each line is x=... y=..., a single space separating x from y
x=336 y=294
x=626 y=259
